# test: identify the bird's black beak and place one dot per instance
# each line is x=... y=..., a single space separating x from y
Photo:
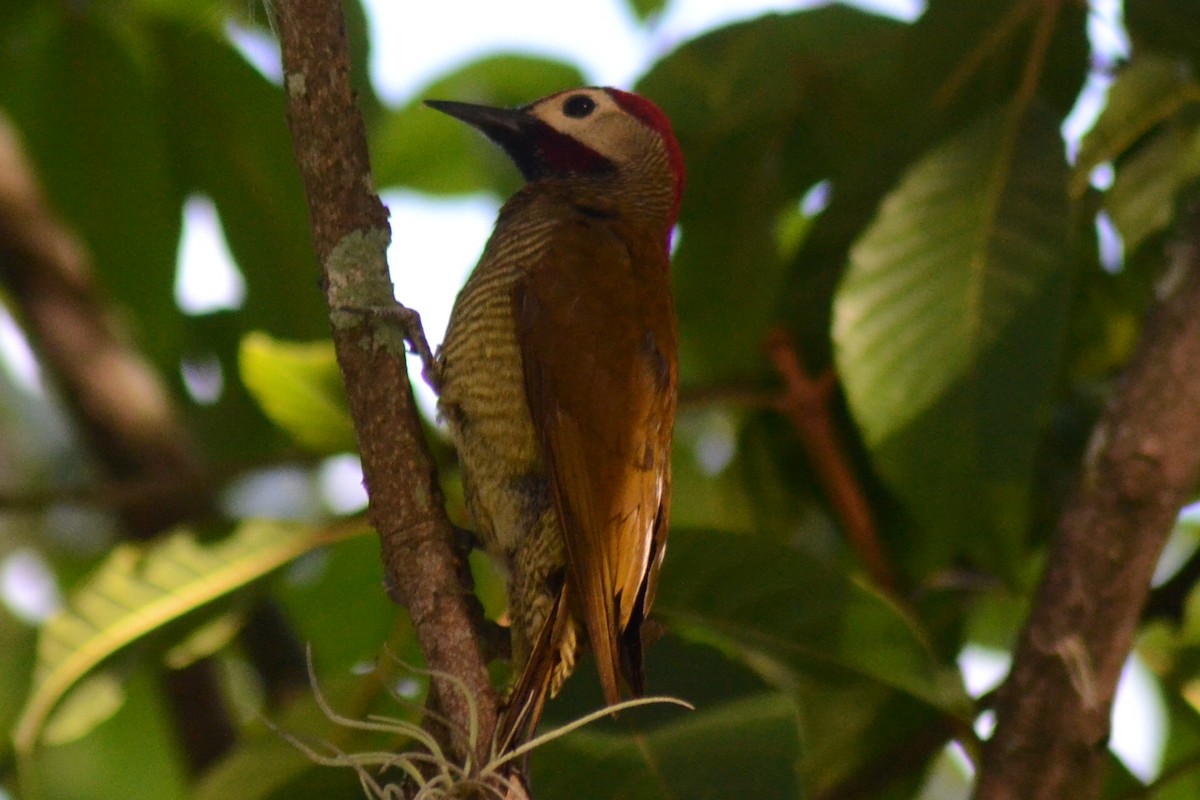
x=536 y=148
x=497 y=123
x=515 y=130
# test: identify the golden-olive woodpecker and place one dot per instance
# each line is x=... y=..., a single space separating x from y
x=558 y=381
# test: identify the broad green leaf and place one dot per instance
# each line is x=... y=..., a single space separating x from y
x=965 y=58
x=271 y=768
x=138 y=589
x=850 y=726
x=766 y=603
x=647 y=8
x=300 y=389
x=268 y=765
x=757 y=134
x=702 y=495
x=255 y=770
x=1180 y=777
x=970 y=237
x=206 y=14
x=1147 y=92
x=347 y=576
x=229 y=140
x=90 y=702
x=230 y=143
x=694 y=671
x=132 y=755
x=1145 y=191
x=82 y=95
x=947 y=327
x=17 y=642
x=745 y=748
x=419 y=148
x=1163 y=26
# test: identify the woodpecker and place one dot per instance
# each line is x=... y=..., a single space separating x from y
x=558 y=382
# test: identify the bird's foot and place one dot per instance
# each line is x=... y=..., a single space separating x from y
x=408 y=320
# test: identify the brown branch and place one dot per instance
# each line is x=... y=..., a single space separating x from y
x=805 y=403
x=1143 y=463
x=122 y=407
x=350 y=232
x=118 y=495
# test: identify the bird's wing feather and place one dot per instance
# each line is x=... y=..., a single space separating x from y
x=595 y=326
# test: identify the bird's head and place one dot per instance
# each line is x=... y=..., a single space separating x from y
x=601 y=133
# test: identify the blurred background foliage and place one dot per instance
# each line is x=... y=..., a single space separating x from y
x=898 y=201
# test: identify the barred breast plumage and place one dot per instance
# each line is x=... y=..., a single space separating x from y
x=484 y=403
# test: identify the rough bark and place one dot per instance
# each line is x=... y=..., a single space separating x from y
x=350 y=232
x=1143 y=463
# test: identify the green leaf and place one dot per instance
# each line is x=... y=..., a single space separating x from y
x=1164 y=26
x=17 y=642
x=346 y=575
x=745 y=748
x=1149 y=91
x=133 y=755
x=265 y=764
x=1180 y=777
x=752 y=152
x=647 y=8
x=766 y=603
x=965 y=58
x=967 y=239
x=947 y=327
x=701 y=497
x=422 y=149
x=229 y=140
x=81 y=93
x=92 y=701
x=300 y=389
x=1143 y=197
x=138 y=589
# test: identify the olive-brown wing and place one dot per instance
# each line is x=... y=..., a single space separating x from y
x=597 y=337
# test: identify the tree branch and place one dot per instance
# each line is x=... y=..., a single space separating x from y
x=351 y=234
x=805 y=403
x=1143 y=463
x=122 y=407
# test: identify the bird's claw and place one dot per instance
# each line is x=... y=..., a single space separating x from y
x=409 y=322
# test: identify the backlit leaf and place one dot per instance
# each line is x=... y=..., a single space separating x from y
x=947 y=326
x=138 y=589
x=299 y=387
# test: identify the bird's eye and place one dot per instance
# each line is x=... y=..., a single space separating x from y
x=578 y=106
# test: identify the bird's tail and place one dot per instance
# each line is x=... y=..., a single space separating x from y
x=540 y=678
